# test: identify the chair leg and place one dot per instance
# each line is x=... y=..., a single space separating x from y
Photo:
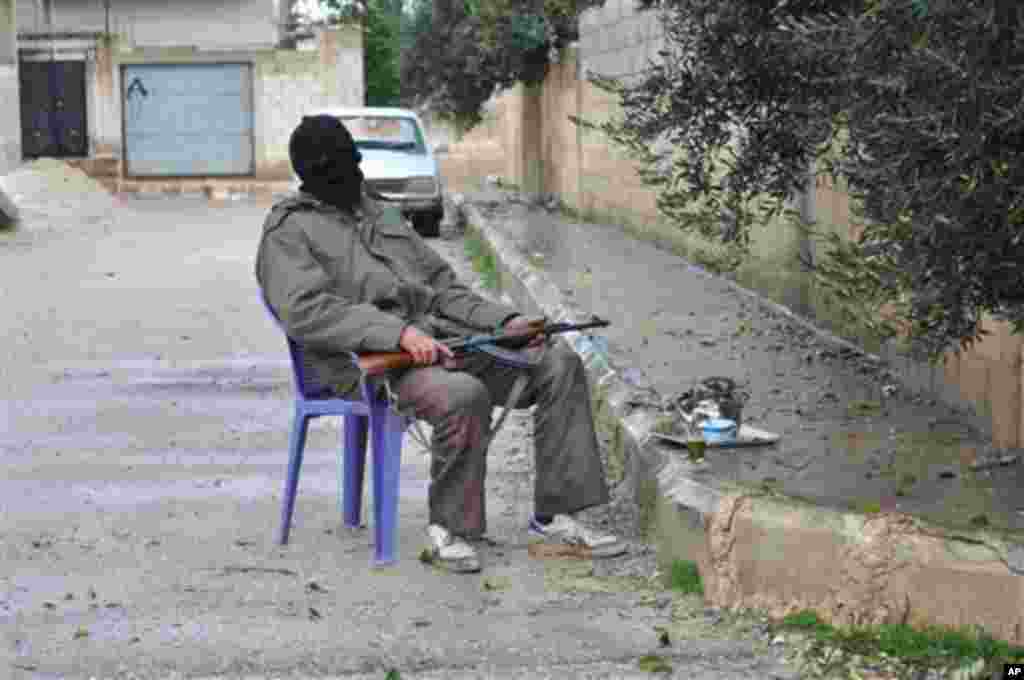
x=387 y=429
x=351 y=470
x=296 y=444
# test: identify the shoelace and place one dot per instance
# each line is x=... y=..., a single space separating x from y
x=584 y=534
x=593 y=536
x=458 y=546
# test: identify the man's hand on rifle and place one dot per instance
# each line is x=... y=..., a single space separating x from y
x=419 y=349
x=520 y=324
x=424 y=349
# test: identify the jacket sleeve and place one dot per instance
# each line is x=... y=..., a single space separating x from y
x=302 y=296
x=455 y=300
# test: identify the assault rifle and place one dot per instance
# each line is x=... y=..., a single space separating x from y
x=377 y=362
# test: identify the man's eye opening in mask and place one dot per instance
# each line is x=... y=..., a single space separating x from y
x=338 y=162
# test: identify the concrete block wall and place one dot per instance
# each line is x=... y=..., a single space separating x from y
x=617 y=40
x=341 y=65
x=223 y=24
x=559 y=155
x=287 y=87
x=473 y=155
x=10 y=113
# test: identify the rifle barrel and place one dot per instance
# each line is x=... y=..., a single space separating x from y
x=474 y=340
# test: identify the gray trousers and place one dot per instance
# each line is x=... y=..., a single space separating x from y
x=459 y=403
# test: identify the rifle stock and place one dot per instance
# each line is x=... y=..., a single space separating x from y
x=376 y=363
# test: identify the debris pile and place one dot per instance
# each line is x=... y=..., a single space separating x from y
x=715 y=397
x=51 y=195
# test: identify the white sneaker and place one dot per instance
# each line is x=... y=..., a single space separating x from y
x=565 y=536
x=451 y=552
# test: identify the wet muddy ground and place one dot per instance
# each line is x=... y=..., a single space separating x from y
x=144 y=412
x=852 y=436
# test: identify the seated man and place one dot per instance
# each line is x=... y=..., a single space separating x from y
x=345 y=273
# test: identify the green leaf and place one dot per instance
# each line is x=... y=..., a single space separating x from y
x=497 y=583
x=652 y=663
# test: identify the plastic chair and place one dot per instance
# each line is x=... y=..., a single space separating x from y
x=386 y=429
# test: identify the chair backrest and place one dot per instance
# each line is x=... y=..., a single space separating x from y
x=305 y=386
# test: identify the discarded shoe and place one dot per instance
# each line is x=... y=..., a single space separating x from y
x=567 y=537
x=451 y=552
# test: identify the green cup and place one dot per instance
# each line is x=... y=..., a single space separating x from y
x=695 y=448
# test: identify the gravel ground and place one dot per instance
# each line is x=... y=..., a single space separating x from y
x=57 y=201
x=514 y=466
x=145 y=403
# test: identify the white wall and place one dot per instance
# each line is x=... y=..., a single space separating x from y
x=287 y=89
x=10 y=114
x=203 y=23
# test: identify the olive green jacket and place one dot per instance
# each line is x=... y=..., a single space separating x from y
x=343 y=283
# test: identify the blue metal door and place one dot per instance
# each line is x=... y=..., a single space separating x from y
x=187 y=119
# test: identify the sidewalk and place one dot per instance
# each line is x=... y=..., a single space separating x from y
x=859 y=459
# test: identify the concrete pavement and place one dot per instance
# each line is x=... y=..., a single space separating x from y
x=145 y=411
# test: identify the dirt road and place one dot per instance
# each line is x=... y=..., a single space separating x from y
x=145 y=411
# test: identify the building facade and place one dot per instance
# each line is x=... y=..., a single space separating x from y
x=187 y=89
x=10 y=129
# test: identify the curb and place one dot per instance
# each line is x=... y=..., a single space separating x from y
x=852 y=569
x=215 y=189
x=8 y=210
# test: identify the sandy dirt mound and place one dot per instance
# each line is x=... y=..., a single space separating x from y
x=52 y=196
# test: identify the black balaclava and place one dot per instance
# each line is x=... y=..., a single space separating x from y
x=326 y=159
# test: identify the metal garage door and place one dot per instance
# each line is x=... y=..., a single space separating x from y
x=187 y=119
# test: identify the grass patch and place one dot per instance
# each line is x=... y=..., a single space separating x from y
x=870 y=508
x=652 y=663
x=482 y=258
x=536 y=260
x=718 y=262
x=861 y=407
x=685 y=577
x=907 y=481
x=914 y=651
